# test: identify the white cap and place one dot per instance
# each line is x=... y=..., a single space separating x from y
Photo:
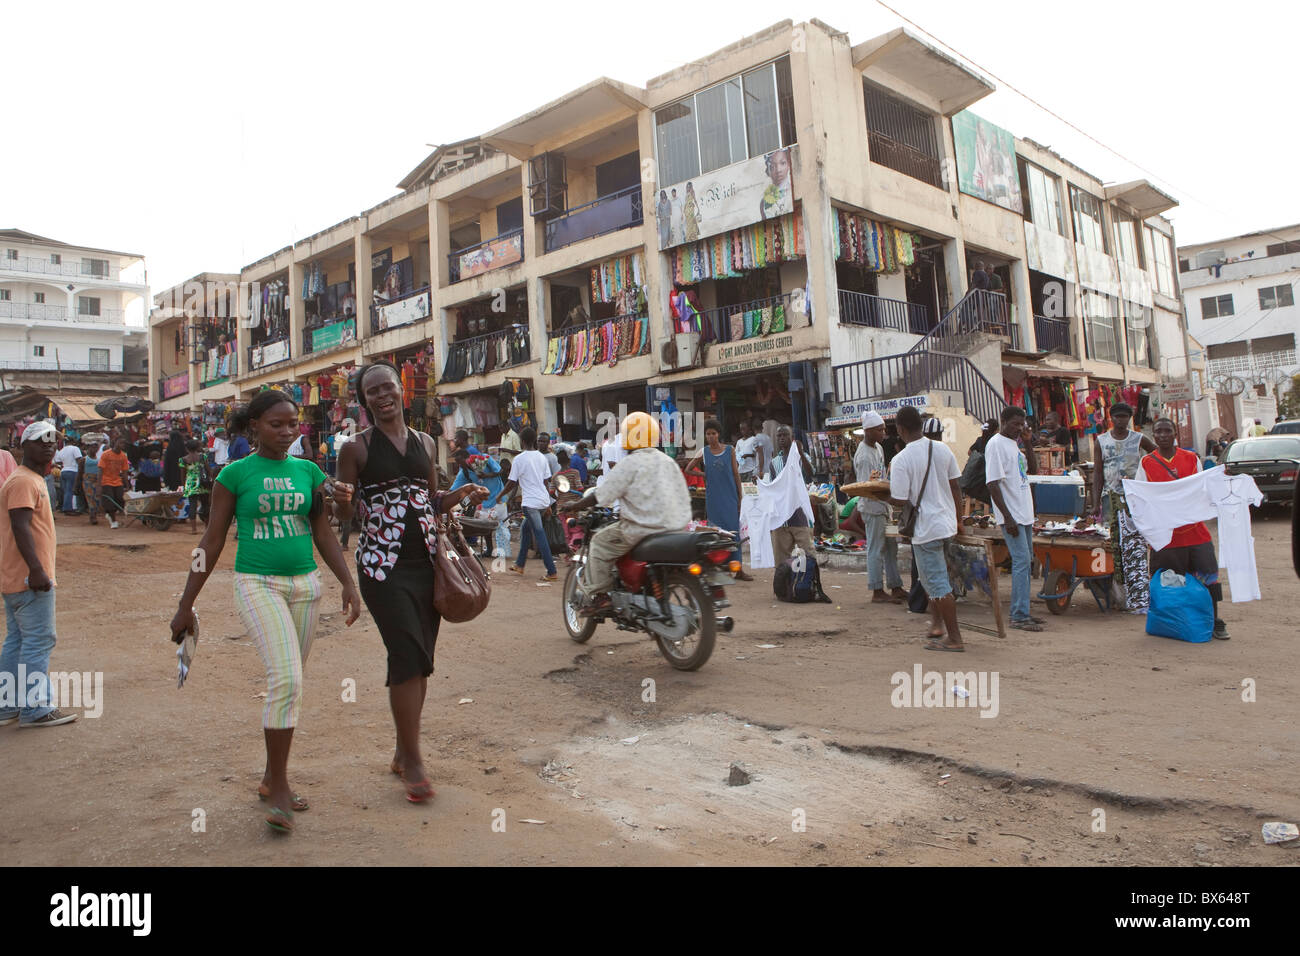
x=40 y=431
x=872 y=420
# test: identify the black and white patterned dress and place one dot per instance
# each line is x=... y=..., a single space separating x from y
x=395 y=551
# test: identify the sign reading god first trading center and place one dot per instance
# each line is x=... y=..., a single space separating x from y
x=850 y=413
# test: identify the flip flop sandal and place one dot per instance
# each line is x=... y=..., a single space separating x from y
x=1027 y=626
x=299 y=804
x=281 y=821
x=933 y=645
x=420 y=792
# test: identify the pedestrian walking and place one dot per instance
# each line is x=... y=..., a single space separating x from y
x=69 y=459
x=277 y=501
x=27 y=552
x=198 y=483
x=882 y=550
x=393 y=469
x=530 y=472
x=113 y=469
x=721 y=473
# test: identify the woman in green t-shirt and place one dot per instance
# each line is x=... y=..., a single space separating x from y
x=277 y=502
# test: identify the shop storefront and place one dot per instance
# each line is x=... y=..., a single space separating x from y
x=268 y=311
x=490 y=414
x=600 y=317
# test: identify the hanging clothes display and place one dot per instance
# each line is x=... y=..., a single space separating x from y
x=730 y=254
x=872 y=245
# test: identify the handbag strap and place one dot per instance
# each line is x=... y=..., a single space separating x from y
x=1164 y=464
x=929 y=455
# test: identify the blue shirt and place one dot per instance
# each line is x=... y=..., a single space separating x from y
x=579 y=463
x=239 y=448
x=491 y=481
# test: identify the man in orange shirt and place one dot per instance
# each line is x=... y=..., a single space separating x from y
x=27 y=582
x=113 y=466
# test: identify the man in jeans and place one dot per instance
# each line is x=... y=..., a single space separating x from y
x=27 y=546
x=1007 y=475
x=530 y=472
x=68 y=458
x=925 y=474
x=882 y=551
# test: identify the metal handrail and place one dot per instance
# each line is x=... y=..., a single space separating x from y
x=977 y=311
x=715 y=325
x=49 y=365
x=636 y=218
x=916 y=372
x=308 y=330
x=465 y=345
x=261 y=345
x=453 y=258
x=73 y=268
x=593 y=324
x=51 y=312
x=1053 y=335
x=873 y=311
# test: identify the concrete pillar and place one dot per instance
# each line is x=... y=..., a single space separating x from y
x=362 y=248
x=191 y=370
x=439 y=244
x=244 y=327
x=296 y=320
x=815 y=61
x=1024 y=304
x=155 y=362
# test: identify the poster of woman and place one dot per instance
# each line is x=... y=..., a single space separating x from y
x=737 y=195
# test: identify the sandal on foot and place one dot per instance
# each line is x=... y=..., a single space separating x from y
x=1027 y=625
x=515 y=569
x=937 y=645
x=419 y=792
x=281 y=821
x=299 y=804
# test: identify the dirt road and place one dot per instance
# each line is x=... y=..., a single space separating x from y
x=626 y=761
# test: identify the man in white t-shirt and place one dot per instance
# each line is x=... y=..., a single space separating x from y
x=220 y=448
x=1006 y=472
x=66 y=458
x=925 y=474
x=530 y=472
x=746 y=452
x=611 y=453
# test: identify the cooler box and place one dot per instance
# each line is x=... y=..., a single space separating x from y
x=1057 y=494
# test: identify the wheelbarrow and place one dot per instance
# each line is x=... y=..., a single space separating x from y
x=1090 y=562
x=156 y=510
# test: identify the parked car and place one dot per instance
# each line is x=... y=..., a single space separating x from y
x=1273 y=461
x=1291 y=427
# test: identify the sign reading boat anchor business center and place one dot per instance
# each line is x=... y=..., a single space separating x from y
x=752 y=353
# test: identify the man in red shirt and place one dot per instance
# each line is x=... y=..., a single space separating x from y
x=1190 y=550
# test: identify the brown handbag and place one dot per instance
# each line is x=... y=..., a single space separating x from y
x=461 y=587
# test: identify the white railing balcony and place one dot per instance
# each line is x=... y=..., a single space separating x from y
x=72 y=269
x=51 y=312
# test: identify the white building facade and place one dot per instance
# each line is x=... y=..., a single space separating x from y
x=66 y=307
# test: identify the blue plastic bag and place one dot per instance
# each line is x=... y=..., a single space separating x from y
x=1184 y=613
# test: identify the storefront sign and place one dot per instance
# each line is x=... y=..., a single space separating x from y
x=499 y=252
x=752 y=353
x=331 y=336
x=270 y=354
x=727 y=198
x=1176 y=392
x=178 y=384
x=850 y=413
x=403 y=312
x=986 y=161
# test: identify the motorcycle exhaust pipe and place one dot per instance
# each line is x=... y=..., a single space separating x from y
x=726 y=624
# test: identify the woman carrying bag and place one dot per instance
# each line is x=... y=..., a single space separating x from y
x=278 y=502
x=393 y=469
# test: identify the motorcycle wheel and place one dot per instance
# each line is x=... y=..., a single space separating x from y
x=580 y=628
x=694 y=649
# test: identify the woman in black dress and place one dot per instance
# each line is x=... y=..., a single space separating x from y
x=393 y=470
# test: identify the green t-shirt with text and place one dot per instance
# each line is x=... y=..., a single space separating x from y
x=272 y=499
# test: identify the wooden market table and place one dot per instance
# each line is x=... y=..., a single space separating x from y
x=987 y=539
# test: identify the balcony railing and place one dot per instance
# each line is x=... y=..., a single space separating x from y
x=898 y=156
x=503 y=250
x=485 y=353
x=1053 y=335
x=914 y=373
x=268 y=354
x=33 y=265
x=977 y=311
x=331 y=335
x=50 y=365
x=872 y=311
x=592 y=343
x=611 y=213
x=51 y=312
x=731 y=323
x=408 y=308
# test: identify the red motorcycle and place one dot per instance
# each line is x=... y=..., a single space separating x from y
x=670 y=586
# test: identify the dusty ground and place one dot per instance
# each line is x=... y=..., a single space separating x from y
x=1093 y=716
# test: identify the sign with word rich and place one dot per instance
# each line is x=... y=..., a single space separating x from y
x=332 y=336
x=986 y=161
x=270 y=354
x=404 y=311
x=750 y=354
x=499 y=252
x=850 y=413
x=725 y=199
x=178 y=384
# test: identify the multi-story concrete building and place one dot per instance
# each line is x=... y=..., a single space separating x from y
x=65 y=307
x=787 y=228
x=1241 y=302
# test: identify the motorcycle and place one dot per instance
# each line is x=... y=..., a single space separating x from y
x=671 y=586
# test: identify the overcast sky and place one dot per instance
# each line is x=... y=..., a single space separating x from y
x=206 y=136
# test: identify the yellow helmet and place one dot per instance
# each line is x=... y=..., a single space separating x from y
x=639 y=430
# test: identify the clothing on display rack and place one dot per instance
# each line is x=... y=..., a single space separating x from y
x=730 y=254
x=872 y=245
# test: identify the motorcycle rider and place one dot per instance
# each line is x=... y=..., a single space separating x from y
x=651 y=494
